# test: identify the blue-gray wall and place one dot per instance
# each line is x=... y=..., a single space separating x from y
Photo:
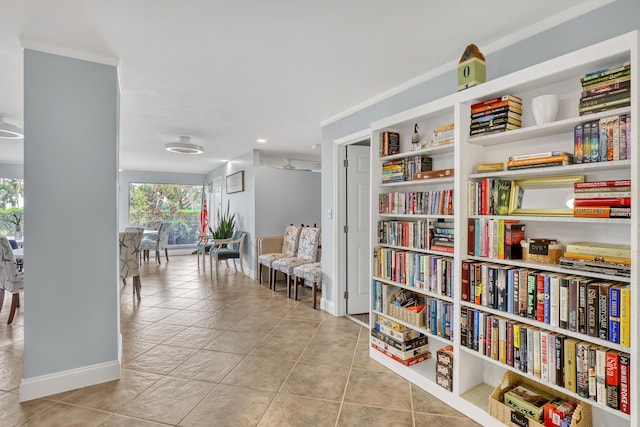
x=71 y=110
x=614 y=19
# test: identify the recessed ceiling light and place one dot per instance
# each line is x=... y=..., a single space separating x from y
x=261 y=140
x=315 y=146
x=184 y=146
x=8 y=131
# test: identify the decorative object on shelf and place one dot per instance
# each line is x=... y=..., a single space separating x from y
x=544 y=108
x=490 y=167
x=546 y=251
x=471 y=68
x=415 y=138
x=235 y=182
x=552 y=195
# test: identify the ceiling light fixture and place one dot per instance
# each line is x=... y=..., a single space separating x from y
x=184 y=146
x=8 y=131
x=261 y=140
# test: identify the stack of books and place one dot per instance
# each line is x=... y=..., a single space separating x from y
x=605 y=258
x=605 y=89
x=400 y=343
x=389 y=143
x=602 y=199
x=496 y=115
x=603 y=140
x=540 y=160
x=442 y=135
x=393 y=171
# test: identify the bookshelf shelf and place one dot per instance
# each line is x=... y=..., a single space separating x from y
x=474 y=375
x=420 y=182
x=413 y=288
x=555 y=268
x=424 y=151
x=545 y=326
x=412 y=216
x=422 y=251
x=554 y=386
x=555 y=170
x=534 y=132
x=559 y=218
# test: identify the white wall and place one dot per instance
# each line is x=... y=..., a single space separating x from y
x=11 y=170
x=242 y=203
x=614 y=19
x=71 y=326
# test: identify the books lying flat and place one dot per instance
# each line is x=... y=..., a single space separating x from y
x=402 y=355
x=602 y=212
x=596 y=266
x=614 y=260
x=409 y=362
x=602 y=249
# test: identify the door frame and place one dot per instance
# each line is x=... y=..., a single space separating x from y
x=339 y=178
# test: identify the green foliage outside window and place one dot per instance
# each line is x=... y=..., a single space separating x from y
x=177 y=204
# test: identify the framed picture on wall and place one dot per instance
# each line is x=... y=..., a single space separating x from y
x=235 y=182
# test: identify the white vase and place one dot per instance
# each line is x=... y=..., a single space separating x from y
x=544 y=108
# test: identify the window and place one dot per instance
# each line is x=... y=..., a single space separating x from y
x=11 y=207
x=178 y=204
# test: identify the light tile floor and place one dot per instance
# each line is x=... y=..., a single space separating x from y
x=231 y=352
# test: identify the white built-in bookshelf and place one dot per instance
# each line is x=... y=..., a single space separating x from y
x=475 y=375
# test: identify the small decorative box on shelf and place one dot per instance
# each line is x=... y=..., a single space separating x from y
x=581 y=416
x=546 y=251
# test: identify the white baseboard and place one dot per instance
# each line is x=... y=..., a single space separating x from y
x=45 y=385
x=328 y=306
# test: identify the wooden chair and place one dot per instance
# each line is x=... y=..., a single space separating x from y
x=227 y=249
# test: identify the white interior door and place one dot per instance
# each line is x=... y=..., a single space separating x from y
x=357 y=239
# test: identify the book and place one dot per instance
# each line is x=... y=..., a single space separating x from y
x=489 y=167
x=598 y=248
x=409 y=362
x=625 y=315
x=614 y=314
x=400 y=345
x=582 y=369
x=570 y=364
x=503 y=187
x=599 y=184
x=592 y=294
x=602 y=211
x=601 y=375
x=491 y=106
x=605 y=88
x=540 y=160
x=594 y=75
x=493 y=129
x=598 y=98
x=400 y=354
x=612 y=260
x=490 y=116
x=625 y=382
x=602 y=201
x=528 y=401
x=578 y=143
x=615 y=80
x=605 y=105
x=540 y=155
x=612 y=379
x=389 y=143
x=482 y=124
x=603 y=310
x=491 y=101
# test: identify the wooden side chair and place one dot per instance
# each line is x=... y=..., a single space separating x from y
x=307 y=253
x=289 y=249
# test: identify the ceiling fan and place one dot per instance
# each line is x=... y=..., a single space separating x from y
x=289 y=166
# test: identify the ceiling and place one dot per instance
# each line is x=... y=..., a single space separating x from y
x=229 y=72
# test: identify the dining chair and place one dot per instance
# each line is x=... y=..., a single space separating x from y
x=226 y=249
x=151 y=243
x=289 y=249
x=163 y=240
x=309 y=274
x=129 y=242
x=11 y=280
x=307 y=253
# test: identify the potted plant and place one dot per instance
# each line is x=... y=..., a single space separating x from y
x=226 y=225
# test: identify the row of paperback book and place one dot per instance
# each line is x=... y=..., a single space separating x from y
x=489 y=196
x=602 y=199
x=495 y=238
x=540 y=160
x=589 y=370
x=604 y=140
x=442 y=135
x=596 y=308
x=605 y=89
x=398 y=342
x=416 y=234
x=437 y=202
x=433 y=273
x=496 y=115
x=405 y=169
